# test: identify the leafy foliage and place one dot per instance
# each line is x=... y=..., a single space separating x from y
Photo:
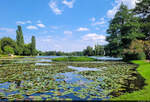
x=9 y=46
x=19 y=41
x=88 y=51
x=123 y=29
x=27 y=49
x=8 y=50
x=6 y=41
x=126 y=30
x=99 y=50
x=135 y=51
x=33 y=46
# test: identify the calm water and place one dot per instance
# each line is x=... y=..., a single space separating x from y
x=68 y=77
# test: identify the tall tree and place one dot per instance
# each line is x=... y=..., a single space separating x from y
x=88 y=51
x=33 y=46
x=27 y=49
x=19 y=40
x=0 y=48
x=142 y=10
x=123 y=28
x=98 y=50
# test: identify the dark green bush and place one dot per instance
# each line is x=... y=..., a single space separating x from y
x=134 y=56
x=141 y=56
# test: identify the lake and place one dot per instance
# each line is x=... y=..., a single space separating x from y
x=39 y=78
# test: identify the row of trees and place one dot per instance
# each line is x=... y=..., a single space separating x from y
x=18 y=47
x=129 y=32
x=60 y=53
x=98 y=50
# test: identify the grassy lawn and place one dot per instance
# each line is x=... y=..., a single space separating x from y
x=73 y=59
x=144 y=94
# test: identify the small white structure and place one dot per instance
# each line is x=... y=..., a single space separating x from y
x=10 y=55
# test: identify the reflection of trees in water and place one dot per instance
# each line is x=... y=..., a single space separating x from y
x=18 y=83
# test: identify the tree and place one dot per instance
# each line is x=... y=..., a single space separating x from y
x=33 y=46
x=147 y=49
x=6 y=41
x=19 y=41
x=0 y=48
x=88 y=51
x=135 y=51
x=27 y=49
x=123 y=29
x=98 y=50
x=59 y=53
x=8 y=50
x=142 y=10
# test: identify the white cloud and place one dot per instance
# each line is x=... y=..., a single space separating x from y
x=32 y=27
x=41 y=25
x=55 y=44
x=68 y=32
x=53 y=5
x=130 y=4
x=97 y=28
x=82 y=29
x=93 y=36
x=7 y=30
x=101 y=21
x=69 y=3
x=93 y=19
x=96 y=38
x=23 y=22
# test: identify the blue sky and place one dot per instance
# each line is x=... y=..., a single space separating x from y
x=65 y=25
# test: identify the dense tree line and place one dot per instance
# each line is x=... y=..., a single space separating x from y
x=17 y=47
x=129 y=32
x=60 y=53
x=98 y=50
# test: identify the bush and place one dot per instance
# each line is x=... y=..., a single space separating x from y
x=134 y=56
x=141 y=56
x=8 y=50
x=135 y=51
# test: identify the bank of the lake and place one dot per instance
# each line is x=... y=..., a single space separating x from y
x=144 y=94
x=13 y=56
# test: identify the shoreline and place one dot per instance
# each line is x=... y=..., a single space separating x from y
x=143 y=94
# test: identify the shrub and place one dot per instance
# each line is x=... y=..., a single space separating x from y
x=8 y=50
x=141 y=56
x=134 y=56
x=135 y=51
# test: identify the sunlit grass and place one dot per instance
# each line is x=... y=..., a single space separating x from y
x=144 y=94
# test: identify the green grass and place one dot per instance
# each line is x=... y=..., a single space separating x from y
x=144 y=94
x=73 y=59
